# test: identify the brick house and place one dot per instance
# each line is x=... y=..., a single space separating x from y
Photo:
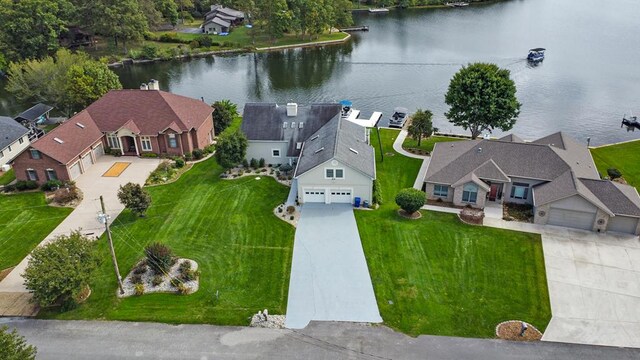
x=133 y=121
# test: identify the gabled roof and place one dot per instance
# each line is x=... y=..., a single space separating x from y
x=10 y=131
x=341 y=140
x=471 y=177
x=511 y=138
x=555 y=140
x=619 y=198
x=491 y=171
x=566 y=185
x=74 y=138
x=219 y=21
x=34 y=112
x=264 y=122
x=152 y=110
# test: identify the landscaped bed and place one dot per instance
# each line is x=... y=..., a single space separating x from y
x=243 y=251
x=436 y=275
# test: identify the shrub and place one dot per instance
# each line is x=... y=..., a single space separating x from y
x=231 y=149
x=149 y=52
x=377 y=194
x=140 y=269
x=245 y=163
x=66 y=195
x=14 y=346
x=136 y=279
x=135 y=54
x=184 y=266
x=205 y=41
x=175 y=282
x=614 y=173
x=60 y=270
x=138 y=289
x=159 y=257
x=188 y=156
x=157 y=280
x=9 y=188
x=179 y=163
x=280 y=210
x=285 y=168
x=116 y=152
x=22 y=185
x=194 y=44
x=189 y=275
x=134 y=198
x=261 y=162
x=253 y=163
x=411 y=200
x=51 y=185
x=291 y=217
x=209 y=149
x=182 y=289
x=149 y=155
x=291 y=209
x=198 y=154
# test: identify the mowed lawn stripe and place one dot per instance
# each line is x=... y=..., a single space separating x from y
x=227 y=226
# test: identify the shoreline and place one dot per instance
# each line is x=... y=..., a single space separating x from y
x=435 y=6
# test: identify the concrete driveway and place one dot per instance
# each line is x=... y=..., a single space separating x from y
x=594 y=287
x=329 y=276
x=84 y=216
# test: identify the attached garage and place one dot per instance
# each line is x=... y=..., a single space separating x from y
x=98 y=151
x=623 y=224
x=340 y=196
x=314 y=196
x=87 y=161
x=572 y=218
x=74 y=170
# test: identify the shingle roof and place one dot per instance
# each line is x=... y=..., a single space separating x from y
x=491 y=171
x=75 y=139
x=264 y=121
x=341 y=140
x=511 y=138
x=219 y=21
x=33 y=113
x=615 y=196
x=151 y=110
x=555 y=139
x=10 y=131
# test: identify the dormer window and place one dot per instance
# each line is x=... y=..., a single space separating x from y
x=284 y=125
x=293 y=124
x=300 y=125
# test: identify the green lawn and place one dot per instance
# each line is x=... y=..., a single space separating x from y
x=227 y=226
x=438 y=276
x=428 y=143
x=7 y=177
x=25 y=220
x=624 y=157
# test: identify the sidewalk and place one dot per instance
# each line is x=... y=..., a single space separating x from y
x=397 y=146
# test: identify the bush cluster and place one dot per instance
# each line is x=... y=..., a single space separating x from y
x=411 y=200
x=22 y=185
x=159 y=258
x=66 y=194
x=51 y=185
x=198 y=154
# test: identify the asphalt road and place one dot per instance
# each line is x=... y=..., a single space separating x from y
x=325 y=340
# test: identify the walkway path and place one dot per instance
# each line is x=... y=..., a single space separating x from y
x=397 y=146
x=329 y=276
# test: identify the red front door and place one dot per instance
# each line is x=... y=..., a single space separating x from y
x=493 y=192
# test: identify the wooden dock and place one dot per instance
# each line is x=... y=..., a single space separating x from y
x=355 y=28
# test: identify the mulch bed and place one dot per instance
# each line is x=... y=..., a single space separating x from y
x=443 y=204
x=414 y=216
x=510 y=330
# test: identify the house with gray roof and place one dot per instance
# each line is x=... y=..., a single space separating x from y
x=14 y=139
x=334 y=162
x=554 y=174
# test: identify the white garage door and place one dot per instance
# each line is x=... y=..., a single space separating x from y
x=98 y=151
x=340 y=196
x=87 y=162
x=74 y=170
x=313 y=196
x=623 y=224
x=571 y=218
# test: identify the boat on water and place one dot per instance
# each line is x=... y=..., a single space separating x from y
x=457 y=4
x=378 y=10
x=631 y=122
x=536 y=55
x=399 y=117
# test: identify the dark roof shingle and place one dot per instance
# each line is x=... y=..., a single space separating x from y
x=10 y=131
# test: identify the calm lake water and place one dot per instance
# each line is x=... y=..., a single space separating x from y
x=589 y=80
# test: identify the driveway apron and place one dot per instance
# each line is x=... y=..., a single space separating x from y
x=329 y=276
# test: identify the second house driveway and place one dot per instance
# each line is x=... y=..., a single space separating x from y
x=329 y=276
x=84 y=217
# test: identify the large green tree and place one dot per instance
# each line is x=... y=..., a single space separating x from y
x=421 y=125
x=88 y=82
x=14 y=346
x=135 y=198
x=482 y=97
x=231 y=149
x=223 y=114
x=30 y=28
x=123 y=20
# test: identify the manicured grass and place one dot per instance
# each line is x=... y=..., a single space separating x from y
x=25 y=220
x=7 y=177
x=624 y=157
x=227 y=226
x=428 y=143
x=438 y=276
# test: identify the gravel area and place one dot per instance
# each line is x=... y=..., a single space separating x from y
x=510 y=330
x=165 y=286
x=281 y=212
x=263 y=320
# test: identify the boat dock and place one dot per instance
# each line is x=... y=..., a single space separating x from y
x=370 y=122
x=379 y=10
x=356 y=28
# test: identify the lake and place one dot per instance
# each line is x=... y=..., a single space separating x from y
x=588 y=81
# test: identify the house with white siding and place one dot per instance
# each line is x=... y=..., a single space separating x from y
x=14 y=139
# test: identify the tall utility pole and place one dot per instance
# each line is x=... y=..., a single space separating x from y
x=104 y=218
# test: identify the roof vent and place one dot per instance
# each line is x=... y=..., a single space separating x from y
x=479 y=150
x=80 y=125
x=317 y=151
x=292 y=109
x=58 y=141
x=315 y=137
x=353 y=150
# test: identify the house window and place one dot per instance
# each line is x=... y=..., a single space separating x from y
x=173 y=141
x=51 y=174
x=146 y=143
x=520 y=191
x=441 y=190
x=9 y=147
x=113 y=142
x=32 y=175
x=470 y=193
x=35 y=154
x=330 y=173
x=275 y=152
x=20 y=141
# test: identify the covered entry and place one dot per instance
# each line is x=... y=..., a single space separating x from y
x=572 y=218
x=314 y=196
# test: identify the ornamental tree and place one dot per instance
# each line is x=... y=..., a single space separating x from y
x=134 y=198
x=59 y=271
x=14 y=346
x=231 y=149
x=411 y=200
x=421 y=125
x=223 y=115
x=482 y=97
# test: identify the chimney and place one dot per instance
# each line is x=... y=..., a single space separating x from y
x=154 y=84
x=144 y=86
x=292 y=109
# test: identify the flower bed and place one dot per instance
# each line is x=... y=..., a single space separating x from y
x=289 y=214
x=142 y=277
x=472 y=216
x=510 y=330
x=517 y=212
x=241 y=171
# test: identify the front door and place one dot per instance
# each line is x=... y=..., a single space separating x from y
x=493 y=193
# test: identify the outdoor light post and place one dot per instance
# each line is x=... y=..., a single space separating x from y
x=103 y=218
